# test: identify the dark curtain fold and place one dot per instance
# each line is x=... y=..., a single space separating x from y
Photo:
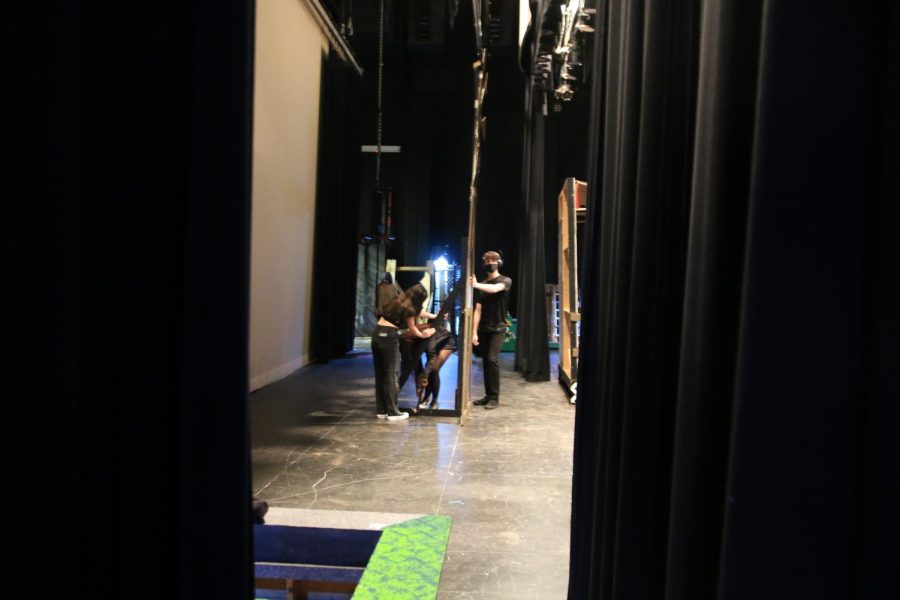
x=532 y=349
x=131 y=428
x=335 y=251
x=725 y=101
x=740 y=351
x=803 y=392
x=585 y=474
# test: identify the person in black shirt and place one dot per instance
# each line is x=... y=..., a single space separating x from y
x=399 y=312
x=386 y=291
x=491 y=296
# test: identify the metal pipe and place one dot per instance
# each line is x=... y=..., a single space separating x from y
x=323 y=20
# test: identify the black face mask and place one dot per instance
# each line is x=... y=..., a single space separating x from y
x=490 y=268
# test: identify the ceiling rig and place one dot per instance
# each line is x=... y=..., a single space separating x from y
x=561 y=38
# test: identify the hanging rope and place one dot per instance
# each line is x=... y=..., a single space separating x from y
x=379 y=262
x=380 y=75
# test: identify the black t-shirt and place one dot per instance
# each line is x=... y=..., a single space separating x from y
x=384 y=294
x=397 y=312
x=493 y=306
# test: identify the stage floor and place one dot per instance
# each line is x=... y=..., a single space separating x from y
x=505 y=478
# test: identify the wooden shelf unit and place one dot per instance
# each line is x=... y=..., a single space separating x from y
x=572 y=206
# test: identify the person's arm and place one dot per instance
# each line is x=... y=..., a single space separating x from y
x=427 y=315
x=488 y=288
x=476 y=319
x=414 y=329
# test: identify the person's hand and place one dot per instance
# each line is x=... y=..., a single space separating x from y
x=474 y=339
x=474 y=282
x=428 y=332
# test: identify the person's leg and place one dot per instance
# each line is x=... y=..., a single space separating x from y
x=376 y=362
x=406 y=360
x=435 y=379
x=438 y=343
x=420 y=348
x=411 y=359
x=480 y=351
x=492 y=368
x=432 y=385
x=380 y=348
x=423 y=377
x=391 y=388
x=424 y=391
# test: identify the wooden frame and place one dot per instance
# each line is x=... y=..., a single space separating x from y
x=571 y=210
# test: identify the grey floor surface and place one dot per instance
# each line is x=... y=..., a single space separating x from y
x=505 y=478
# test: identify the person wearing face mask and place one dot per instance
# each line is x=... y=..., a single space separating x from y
x=489 y=326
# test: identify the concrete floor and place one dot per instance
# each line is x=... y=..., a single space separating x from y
x=505 y=478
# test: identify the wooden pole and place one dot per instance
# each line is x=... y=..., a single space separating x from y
x=463 y=393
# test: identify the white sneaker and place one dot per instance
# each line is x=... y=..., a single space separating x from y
x=381 y=415
x=398 y=417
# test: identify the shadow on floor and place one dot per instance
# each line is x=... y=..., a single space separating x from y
x=505 y=477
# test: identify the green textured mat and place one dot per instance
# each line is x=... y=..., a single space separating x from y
x=407 y=561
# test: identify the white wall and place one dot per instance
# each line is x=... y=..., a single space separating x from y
x=289 y=49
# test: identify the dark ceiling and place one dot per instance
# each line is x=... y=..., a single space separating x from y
x=429 y=47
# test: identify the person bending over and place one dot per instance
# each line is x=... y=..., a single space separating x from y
x=439 y=348
x=399 y=312
x=411 y=350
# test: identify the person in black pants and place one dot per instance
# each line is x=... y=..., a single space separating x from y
x=412 y=348
x=491 y=296
x=439 y=348
x=399 y=312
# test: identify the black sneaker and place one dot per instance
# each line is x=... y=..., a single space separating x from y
x=491 y=405
x=481 y=402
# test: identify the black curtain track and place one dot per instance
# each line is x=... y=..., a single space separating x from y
x=337 y=213
x=740 y=363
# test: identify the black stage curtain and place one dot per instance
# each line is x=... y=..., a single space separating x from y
x=740 y=347
x=532 y=350
x=337 y=213
x=133 y=424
